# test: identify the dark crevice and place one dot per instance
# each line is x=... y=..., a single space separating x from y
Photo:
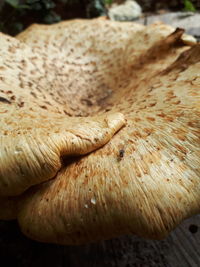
x=193 y=228
x=4 y=100
x=68 y=160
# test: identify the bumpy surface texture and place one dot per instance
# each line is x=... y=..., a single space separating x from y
x=63 y=91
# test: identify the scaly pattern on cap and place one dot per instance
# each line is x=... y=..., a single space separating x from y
x=146 y=179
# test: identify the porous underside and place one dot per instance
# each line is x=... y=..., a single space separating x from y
x=65 y=90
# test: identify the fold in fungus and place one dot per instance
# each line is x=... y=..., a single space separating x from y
x=100 y=130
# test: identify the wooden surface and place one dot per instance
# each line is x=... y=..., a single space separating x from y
x=180 y=249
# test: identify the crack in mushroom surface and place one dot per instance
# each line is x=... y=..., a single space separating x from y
x=100 y=130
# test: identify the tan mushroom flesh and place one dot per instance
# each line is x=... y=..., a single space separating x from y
x=100 y=130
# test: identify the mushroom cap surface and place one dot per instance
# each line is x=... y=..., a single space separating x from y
x=146 y=179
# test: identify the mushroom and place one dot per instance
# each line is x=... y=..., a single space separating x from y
x=100 y=130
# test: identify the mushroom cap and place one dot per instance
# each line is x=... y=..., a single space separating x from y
x=36 y=130
x=146 y=179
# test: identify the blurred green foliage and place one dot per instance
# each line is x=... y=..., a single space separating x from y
x=15 y=15
x=108 y=2
x=188 y=6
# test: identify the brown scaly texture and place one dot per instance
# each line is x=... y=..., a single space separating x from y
x=36 y=130
x=146 y=179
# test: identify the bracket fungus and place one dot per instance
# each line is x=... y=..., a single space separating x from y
x=100 y=130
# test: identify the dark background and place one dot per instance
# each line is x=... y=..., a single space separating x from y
x=16 y=15
x=180 y=249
